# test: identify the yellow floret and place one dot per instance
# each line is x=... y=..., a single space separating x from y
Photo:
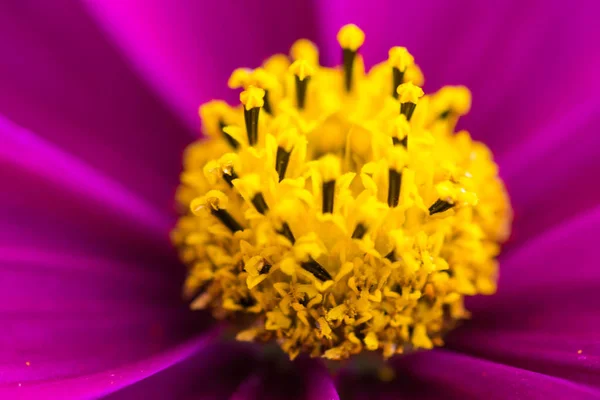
x=333 y=214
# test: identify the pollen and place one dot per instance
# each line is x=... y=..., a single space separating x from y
x=336 y=211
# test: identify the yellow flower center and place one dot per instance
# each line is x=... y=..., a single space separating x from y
x=336 y=210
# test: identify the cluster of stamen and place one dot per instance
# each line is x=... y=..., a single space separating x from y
x=336 y=210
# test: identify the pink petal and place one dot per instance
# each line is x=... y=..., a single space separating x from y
x=62 y=78
x=188 y=49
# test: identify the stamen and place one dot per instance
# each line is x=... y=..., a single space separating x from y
x=391 y=256
x=229 y=176
x=395 y=181
x=282 y=161
x=227 y=220
x=232 y=142
x=409 y=95
x=399 y=59
x=440 y=206
x=265 y=269
x=267 y=81
x=397 y=79
x=408 y=109
x=316 y=269
x=348 y=57
x=215 y=202
x=302 y=71
x=259 y=202
x=287 y=232
x=350 y=38
x=267 y=105
x=328 y=195
x=359 y=231
x=400 y=142
x=253 y=100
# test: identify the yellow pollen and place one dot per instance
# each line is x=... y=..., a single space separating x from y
x=336 y=210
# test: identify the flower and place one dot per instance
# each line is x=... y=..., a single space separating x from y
x=97 y=104
x=331 y=214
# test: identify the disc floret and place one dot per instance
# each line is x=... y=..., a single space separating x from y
x=335 y=210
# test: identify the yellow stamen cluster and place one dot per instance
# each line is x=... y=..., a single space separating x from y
x=336 y=210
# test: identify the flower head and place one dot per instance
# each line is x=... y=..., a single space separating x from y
x=333 y=216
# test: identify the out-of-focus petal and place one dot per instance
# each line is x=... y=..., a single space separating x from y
x=52 y=199
x=188 y=49
x=238 y=371
x=63 y=79
x=65 y=316
x=213 y=373
x=102 y=384
x=318 y=380
x=552 y=175
x=573 y=357
x=443 y=374
x=545 y=314
x=563 y=258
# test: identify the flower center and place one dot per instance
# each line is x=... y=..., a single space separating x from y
x=336 y=210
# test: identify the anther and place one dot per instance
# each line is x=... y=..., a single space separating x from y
x=252 y=99
x=328 y=195
x=399 y=59
x=267 y=105
x=391 y=256
x=440 y=206
x=227 y=220
x=302 y=71
x=215 y=202
x=267 y=81
x=287 y=232
x=229 y=176
x=316 y=269
x=395 y=181
x=350 y=38
x=359 y=231
x=281 y=162
x=259 y=202
x=409 y=95
x=232 y=142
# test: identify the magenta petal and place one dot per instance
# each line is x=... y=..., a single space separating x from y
x=551 y=176
x=188 y=49
x=213 y=373
x=442 y=374
x=62 y=78
x=451 y=375
x=317 y=380
x=54 y=200
x=237 y=370
x=548 y=284
x=573 y=357
x=106 y=382
x=65 y=316
x=545 y=314
x=563 y=258
x=249 y=389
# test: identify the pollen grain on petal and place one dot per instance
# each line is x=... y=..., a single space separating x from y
x=337 y=210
